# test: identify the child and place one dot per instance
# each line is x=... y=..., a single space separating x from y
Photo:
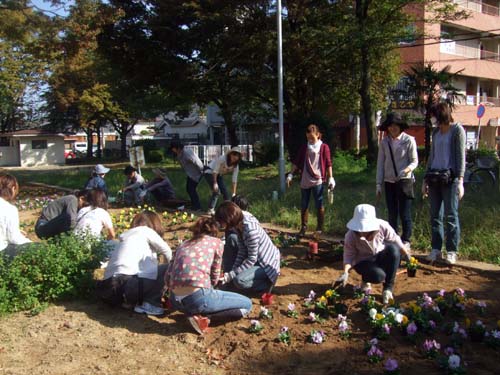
x=195 y=272
x=314 y=164
x=11 y=237
x=133 y=274
x=94 y=218
x=216 y=169
x=96 y=180
x=134 y=186
x=60 y=215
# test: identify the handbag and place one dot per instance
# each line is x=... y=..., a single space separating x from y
x=406 y=184
x=439 y=177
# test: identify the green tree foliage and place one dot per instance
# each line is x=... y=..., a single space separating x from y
x=430 y=86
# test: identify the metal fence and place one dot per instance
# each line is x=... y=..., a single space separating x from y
x=207 y=153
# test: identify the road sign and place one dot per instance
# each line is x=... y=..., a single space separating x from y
x=480 y=110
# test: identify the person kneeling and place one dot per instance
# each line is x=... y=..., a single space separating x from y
x=373 y=249
x=194 y=273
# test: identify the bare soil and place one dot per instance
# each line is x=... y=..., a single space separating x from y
x=86 y=337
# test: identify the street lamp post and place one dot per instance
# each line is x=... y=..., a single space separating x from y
x=280 y=102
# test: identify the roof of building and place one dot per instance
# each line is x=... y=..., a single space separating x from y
x=32 y=133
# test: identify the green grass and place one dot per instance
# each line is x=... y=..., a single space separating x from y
x=479 y=212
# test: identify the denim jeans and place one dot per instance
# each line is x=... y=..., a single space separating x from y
x=398 y=205
x=152 y=290
x=381 y=268
x=230 y=251
x=444 y=201
x=254 y=279
x=305 y=195
x=208 y=301
x=222 y=189
x=191 y=186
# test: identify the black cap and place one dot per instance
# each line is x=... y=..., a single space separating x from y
x=128 y=170
x=393 y=118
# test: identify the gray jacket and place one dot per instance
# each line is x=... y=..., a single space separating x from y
x=457 y=157
x=191 y=164
x=404 y=156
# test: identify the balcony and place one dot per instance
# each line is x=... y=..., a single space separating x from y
x=479 y=6
x=453 y=48
x=475 y=100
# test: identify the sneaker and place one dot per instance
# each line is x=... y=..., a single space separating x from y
x=211 y=212
x=406 y=255
x=147 y=308
x=366 y=287
x=451 y=257
x=387 y=296
x=199 y=323
x=434 y=255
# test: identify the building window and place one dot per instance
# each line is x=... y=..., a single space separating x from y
x=39 y=144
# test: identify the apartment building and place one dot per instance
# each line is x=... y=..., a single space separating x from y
x=473 y=46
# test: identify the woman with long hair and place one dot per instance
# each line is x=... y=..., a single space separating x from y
x=95 y=217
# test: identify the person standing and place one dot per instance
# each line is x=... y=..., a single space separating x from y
x=59 y=216
x=217 y=168
x=193 y=167
x=444 y=181
x=314 y=164
x=397 y=159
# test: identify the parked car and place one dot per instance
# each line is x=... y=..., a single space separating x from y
x=69 y=154
x=81 y=148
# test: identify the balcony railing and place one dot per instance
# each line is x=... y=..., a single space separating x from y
x=453 y=48
x=479 y=6
x=475 y=100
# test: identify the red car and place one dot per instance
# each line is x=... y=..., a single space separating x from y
x=69 y=154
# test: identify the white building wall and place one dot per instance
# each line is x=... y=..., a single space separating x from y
x=9 y=156
x=53 y=154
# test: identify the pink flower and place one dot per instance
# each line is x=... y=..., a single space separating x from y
x=291 y=306
x=312 y=317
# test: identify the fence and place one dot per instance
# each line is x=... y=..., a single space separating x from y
x=207 y=153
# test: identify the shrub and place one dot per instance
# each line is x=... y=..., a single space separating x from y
x=154 y=156
x=266 y=152
x=473 y=155
x=44 y=272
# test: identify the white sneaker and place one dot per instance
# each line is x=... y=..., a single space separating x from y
x=387 y=296
x=366 y=287
x=451 y=257
x=147 y=308
x=211 y=212
x=434 y=255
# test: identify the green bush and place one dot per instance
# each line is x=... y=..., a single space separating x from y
x=266 y=152
x=473 y=155
x=154 y=156
x=44 y=272
x=348 y=162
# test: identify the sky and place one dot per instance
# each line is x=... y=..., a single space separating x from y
x=51 y=10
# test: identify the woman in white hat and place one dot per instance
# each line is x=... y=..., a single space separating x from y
x=96 y=180
x=224 y=164
x=373 y=249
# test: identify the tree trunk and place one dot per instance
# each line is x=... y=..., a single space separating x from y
x=227 y=115
x=123 y=144
x=88 y=132
x=428 y=131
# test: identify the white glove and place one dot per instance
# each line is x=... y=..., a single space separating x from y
x=378 y=190
x=289 y=178
x=343 y=279
x=331 y=183
x=216 y=188
x=460 y=189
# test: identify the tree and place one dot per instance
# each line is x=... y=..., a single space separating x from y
x=430 y=86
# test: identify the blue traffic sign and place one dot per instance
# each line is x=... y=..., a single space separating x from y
x=480 y=110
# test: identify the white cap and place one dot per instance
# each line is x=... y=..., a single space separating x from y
x=364 y=219
x=100 y=169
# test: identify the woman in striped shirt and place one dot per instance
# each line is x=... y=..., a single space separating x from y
x=257 y=264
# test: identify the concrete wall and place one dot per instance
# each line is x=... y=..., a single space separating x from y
x=9 y=156
x=53 y=154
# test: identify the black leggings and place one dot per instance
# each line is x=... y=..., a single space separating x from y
x=382 y=267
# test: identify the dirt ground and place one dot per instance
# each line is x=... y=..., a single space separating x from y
x=86 y=337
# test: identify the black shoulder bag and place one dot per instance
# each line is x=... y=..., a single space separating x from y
x=405 y=184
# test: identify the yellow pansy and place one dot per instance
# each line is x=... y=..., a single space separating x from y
x=404 y=321
x=467 y=323
x=329 y=293
x=379 y=316
x=323 y=300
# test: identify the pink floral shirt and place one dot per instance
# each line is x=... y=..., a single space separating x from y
x=197 y=263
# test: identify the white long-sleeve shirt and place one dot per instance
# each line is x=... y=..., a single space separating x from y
x=9 y=226
x=219 y=166
x=135 y=254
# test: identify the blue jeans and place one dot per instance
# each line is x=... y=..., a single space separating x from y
x=191 y=186
x=398 y=205
x=208 y=301
x=254 y=279
x=230 y=251
x=381 y=268
x=305 y=196
x=444 y=204
x=215 y=195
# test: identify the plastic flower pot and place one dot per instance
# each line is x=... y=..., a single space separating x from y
x=412 y=272
x=267 y=299
x=313 y=248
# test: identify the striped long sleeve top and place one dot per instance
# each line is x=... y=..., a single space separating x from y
x=255 y=248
